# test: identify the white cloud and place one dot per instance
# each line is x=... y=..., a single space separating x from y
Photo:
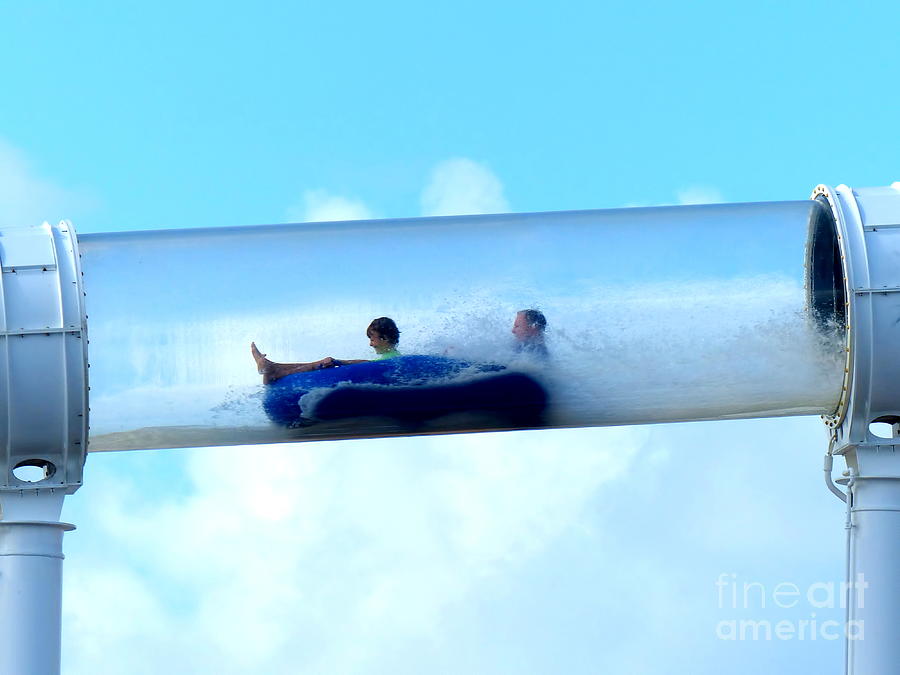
x=322 y=206
x=95 y=597
x=415 y=555
x=699 y=194
x=462 y=186
x=292 y=553
x=692 y=194
x=455 y=187
x=27 y=199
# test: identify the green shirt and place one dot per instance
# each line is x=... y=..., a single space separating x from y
x=387 y=355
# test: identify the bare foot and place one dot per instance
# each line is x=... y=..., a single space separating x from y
x=262 y=363
x=264 y=367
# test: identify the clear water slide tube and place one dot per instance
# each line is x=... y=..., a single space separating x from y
x=652 y=315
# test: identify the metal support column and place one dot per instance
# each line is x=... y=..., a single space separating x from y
x=31 y=583
x=873 y=575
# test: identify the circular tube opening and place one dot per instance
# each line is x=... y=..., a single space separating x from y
x=825 y=273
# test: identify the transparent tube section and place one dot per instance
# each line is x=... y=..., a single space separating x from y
x=652 y=315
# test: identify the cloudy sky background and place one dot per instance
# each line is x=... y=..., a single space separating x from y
x=578 y=551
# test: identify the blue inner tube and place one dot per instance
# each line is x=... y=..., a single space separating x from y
x=409 y=388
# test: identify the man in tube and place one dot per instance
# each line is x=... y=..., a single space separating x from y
x=383 y=338
x=528 y=329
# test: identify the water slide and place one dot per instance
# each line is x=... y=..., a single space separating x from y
x=652 y=315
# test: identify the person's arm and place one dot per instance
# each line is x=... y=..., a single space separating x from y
x=344 y=362
x=327 y=362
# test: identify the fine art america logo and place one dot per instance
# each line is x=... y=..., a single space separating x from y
x=747 y=597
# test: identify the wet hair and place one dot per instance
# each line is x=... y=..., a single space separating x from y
x=535 y=318
x=385 y=328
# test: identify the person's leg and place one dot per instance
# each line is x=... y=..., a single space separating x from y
x=272 y=371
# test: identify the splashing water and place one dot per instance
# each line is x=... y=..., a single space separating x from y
x=633 y=355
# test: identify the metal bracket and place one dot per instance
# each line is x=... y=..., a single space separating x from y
x=43 y=360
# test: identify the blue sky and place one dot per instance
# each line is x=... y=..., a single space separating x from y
x=577 y=551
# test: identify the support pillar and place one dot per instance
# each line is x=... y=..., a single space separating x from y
x=31 y=561
x=873 y=647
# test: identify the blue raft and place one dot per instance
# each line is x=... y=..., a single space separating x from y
x=409 y=389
